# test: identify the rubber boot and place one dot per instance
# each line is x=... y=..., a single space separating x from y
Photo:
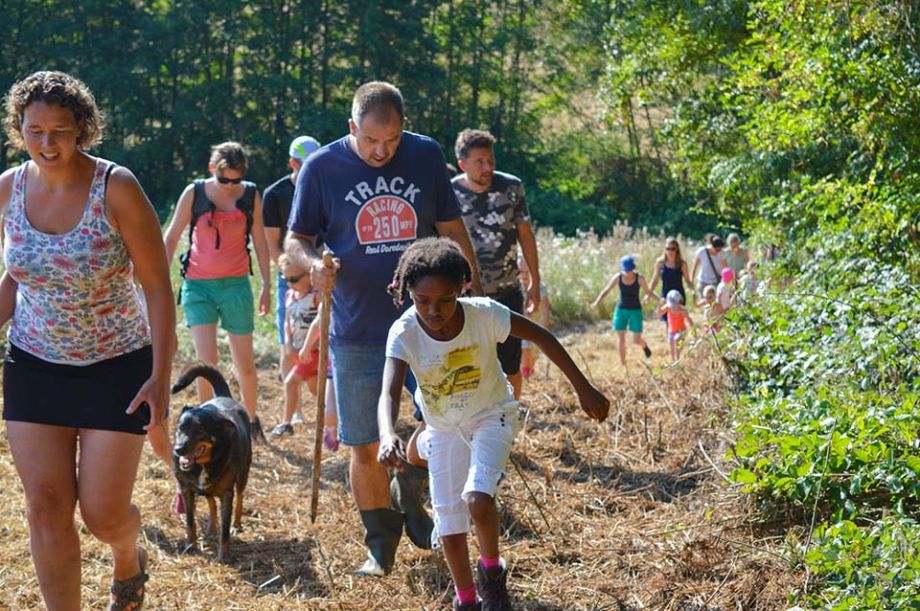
x=406 y=495
x=382 y=530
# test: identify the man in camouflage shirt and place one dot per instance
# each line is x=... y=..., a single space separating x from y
x=495 y=213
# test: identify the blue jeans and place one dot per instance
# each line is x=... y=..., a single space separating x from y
x=357 y=375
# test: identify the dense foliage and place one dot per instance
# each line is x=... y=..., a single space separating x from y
x=800 y=119
x=176 y=76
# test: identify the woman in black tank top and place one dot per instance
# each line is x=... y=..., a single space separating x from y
x=672 y=270
x=628 y=312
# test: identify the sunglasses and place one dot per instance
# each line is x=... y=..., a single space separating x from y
x=294 y=279
x=671 y=248
x=229 y=181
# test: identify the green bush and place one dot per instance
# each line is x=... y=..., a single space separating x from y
x=828 y=427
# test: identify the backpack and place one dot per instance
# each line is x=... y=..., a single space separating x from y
x=202 y=205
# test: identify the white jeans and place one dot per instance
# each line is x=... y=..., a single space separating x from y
x=471 y=458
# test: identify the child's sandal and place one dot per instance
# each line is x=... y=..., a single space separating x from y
x=131 y=591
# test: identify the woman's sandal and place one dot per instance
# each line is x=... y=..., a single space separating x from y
x=131 y=591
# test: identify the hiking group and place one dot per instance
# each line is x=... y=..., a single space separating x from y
x=429 y=293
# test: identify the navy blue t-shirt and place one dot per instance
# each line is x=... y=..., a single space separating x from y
x=368 y=217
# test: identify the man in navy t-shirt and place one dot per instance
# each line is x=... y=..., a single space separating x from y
x=370 y=195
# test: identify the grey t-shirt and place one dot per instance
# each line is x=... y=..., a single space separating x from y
x=492 y=218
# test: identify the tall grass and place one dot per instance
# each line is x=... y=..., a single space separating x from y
x=576 y=269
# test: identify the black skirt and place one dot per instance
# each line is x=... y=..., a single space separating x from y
x=89 y=397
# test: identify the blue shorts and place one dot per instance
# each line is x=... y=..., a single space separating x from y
x=357 y=375
x=280 y=307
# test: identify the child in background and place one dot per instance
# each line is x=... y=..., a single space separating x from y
x=678 y=317
x=725 y=292
x=628 y=312
x=470 y=412
x=749 y=281
x=301 y=336
x=711 y=310
x=540 y=316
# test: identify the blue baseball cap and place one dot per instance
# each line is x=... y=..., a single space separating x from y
x=302 y=147
x=627 y=263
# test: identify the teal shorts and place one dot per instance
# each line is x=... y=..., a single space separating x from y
x=227 y=299
x=623 y=318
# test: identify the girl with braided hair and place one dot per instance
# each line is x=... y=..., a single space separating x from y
x=470 y=412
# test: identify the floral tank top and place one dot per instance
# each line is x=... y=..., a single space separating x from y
x=76 y=303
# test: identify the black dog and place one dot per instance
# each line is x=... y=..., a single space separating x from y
x=212 y=454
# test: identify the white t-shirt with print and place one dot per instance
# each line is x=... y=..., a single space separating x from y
x=460 y=377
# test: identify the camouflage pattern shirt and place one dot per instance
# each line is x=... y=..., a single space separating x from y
x=492 y=218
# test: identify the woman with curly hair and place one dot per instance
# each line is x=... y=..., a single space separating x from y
x=84 y=369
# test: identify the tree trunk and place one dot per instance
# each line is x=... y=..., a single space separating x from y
x=324 y=69
x=630 y=119
x=451 y=50
x=477 y=69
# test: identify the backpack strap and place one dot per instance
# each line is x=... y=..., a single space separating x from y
x=712 y=265
x=200 y=205
x=247 y=204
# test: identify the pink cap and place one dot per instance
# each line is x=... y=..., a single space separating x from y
x=728 y=275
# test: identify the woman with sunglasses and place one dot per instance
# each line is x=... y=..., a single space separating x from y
x=672 y=270
x=216 y=285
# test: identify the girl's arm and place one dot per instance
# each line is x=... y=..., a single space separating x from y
x=288 y=332
x=662 y=310
x=648 y=292
x=547 y=312
x=696 y=267
x=180 y=220
x=134 y=218
x=392 y=451
x=592 y=401
x=683 y=268
x=7 y=298
x=606 y=290
x=260 y=245
x=656 y=275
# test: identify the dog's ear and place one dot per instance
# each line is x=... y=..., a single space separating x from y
x=228 y=425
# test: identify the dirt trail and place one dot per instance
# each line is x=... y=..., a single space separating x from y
x=631 y=514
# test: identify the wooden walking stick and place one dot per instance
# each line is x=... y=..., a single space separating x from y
x=321 y=391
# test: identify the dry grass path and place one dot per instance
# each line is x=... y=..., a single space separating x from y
x=627 y=515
